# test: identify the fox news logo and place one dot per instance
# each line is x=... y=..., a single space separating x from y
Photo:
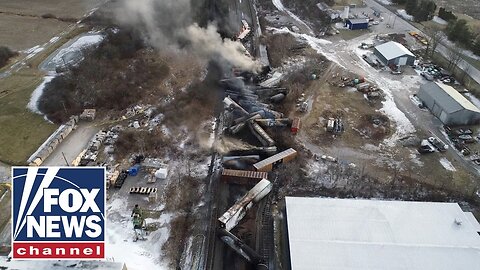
x=58 y=213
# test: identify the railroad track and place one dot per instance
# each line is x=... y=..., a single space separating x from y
x=209 y=247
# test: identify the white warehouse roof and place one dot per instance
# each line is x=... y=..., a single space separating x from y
x=377 y=235
x=391 y=50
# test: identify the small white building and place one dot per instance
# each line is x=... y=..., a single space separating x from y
x=339 y=234
x=394 y=53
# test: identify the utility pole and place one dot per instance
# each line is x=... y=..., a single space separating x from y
x=64 y=158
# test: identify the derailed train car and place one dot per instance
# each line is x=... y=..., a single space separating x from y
x=232 y=217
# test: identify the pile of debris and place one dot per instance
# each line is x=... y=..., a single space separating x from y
x=433 y=72
x=251 y=106
x=370 y=91
x=247 y=107
x=460 y=137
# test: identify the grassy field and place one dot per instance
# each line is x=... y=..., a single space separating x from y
x=21 y=131
x=469 y=7
x=20 y=32
x=64 y=8
x=5 y=206
x=21 y=24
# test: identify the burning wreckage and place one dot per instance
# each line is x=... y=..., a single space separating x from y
x=249 y=112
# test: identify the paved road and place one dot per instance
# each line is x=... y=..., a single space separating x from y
x=442 y=49
x=72 y=146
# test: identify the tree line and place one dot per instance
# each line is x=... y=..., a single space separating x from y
x=457 y=30
x=5 y=55
x=112 y=76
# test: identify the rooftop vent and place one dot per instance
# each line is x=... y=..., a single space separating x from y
x=458 y=221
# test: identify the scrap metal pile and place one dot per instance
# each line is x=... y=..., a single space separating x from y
x=370 y=91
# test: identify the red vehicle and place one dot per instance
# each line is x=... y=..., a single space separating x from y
x=295 y=125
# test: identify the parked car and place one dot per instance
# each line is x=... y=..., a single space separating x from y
x=441 y=146
x=467 y=138
x=425 y=147
x=427 y=76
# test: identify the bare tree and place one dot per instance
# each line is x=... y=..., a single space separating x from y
x=454 y=58
x=434 y=37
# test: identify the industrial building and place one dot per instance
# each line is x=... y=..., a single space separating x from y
x=326 y=233
x=448 y=104
x=355 y=24
x=394 y=53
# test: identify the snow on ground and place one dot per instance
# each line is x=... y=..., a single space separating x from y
x=75 y=48
x=447 y=165
x=33 y=51
x=439 y=20
x=404 y=14
x=54 y=39
x=473 y=99
x=414 y=157
x=403 y=124
x=138 y=255
x=279 y=5
x=316 y=43
x=57 y=60
x=37 y=93
x=385 y=2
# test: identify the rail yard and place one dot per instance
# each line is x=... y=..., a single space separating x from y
x=250 y=134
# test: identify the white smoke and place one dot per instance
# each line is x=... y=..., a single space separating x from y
x=208 y=43
x=168 y=22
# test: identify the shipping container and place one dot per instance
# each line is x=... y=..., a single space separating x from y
x=243 y=177
x=268 y=164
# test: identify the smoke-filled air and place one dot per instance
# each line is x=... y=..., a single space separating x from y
x=168 y=23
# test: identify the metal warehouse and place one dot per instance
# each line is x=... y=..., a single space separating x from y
x=393 y=53
x=355 y=24
x=448 y=104
x=352 y=234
